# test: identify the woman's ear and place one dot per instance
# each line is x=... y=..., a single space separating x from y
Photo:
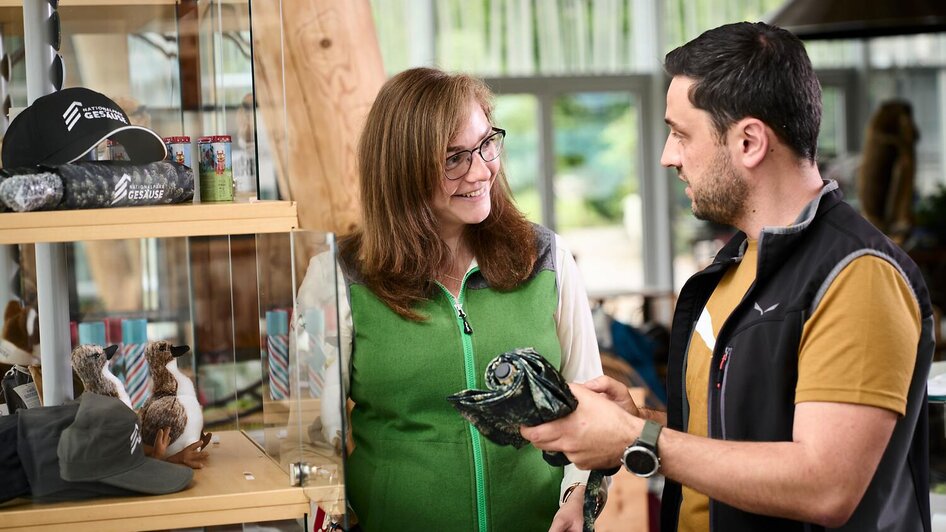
x=753 y=141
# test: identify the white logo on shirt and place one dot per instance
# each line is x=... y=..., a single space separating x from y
x=762 y=312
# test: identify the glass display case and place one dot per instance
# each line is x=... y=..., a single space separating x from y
x=222 y=278
x=260 y=373
x=181 y=68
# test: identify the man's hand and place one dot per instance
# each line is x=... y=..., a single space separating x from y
x=594 y=436
x=570 y=517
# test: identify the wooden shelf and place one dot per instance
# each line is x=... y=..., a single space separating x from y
x=220 y=493
x=81 y=17
x=130 y=3
x=206 y=219
x=72 y=3
x=117 y=17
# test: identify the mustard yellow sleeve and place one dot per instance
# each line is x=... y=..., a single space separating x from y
x=860 y=344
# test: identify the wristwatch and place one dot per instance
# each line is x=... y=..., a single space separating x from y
x=641 y=456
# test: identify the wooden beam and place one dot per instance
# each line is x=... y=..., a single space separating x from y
x=189 y=54
x=314 y=110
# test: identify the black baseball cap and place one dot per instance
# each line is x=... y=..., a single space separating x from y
x=103 y=444
x=11 y=470
x=62 y=127
x=39 y=430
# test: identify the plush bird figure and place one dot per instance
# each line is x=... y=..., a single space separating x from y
x=173 y=404
x=90 y=362
x=19 y=340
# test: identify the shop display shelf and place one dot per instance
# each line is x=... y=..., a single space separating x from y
x=240 y=483
x=205 y=219
x=117 y=16
x=76 y=3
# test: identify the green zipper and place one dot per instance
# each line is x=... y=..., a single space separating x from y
x=465 y=338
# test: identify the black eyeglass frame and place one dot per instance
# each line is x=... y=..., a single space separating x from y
x=479 y=150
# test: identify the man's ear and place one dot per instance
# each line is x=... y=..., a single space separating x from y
x=752 y=139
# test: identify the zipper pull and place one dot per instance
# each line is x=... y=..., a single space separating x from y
x=722 y=367
x=462 y=315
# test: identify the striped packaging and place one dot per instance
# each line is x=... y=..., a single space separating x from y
x=315 y=359
x=137 y=372
x=277 y=349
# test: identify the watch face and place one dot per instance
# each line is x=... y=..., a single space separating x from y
x=641 y=461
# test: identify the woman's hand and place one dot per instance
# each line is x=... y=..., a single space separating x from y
x=570 y=517
x=615 y=391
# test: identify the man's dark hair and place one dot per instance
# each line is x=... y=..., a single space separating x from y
x=753 y=70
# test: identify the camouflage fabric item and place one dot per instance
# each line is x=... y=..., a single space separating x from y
x=525 y=389
x=29 y=189
x=97 y=184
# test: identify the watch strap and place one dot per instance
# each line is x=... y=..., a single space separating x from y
x=650 y=433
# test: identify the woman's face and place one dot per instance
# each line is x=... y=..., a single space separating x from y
x=466 y=200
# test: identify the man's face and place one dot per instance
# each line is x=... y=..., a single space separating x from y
x=717 y=191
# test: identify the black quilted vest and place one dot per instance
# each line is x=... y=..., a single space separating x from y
x=755 y=397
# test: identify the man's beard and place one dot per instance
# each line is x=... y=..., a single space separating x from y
x=722 y=194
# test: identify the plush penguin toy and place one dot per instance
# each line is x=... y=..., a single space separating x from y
x=173 y=403
x=90 y=362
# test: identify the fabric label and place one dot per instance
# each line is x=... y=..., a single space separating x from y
x=28 y=394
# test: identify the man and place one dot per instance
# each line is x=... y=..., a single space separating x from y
x=799 y=358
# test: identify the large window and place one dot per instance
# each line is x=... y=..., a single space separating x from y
x=597 y=205
x=518 y=115
x=574 y=161
x=581 y=92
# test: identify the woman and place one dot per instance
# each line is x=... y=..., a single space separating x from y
x=443 y=275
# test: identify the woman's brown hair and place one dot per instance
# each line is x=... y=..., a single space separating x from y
x=397 y=250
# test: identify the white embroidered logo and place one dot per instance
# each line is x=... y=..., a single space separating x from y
x=121 y=189
x=135 y=439
x=762 y=312
x=72 y=115
x=75 y=111
x=136 y=192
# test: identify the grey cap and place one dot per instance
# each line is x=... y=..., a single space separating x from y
x=103 y=444
x=39 y=431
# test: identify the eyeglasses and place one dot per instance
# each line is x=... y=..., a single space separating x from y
x=458 y=164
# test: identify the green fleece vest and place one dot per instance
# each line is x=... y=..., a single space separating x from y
x=418 y=465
